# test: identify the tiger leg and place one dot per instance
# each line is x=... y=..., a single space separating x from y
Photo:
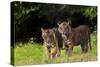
x=47 y=52
x=70 y=50
x=53 y=52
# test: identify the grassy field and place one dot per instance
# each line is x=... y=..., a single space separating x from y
x=34 y=54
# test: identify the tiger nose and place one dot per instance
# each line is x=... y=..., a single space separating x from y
x=63 y=33
x=68 y=41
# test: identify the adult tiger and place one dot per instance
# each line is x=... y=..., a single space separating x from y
x=75 y=36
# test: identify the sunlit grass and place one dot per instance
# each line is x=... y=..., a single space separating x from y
x=35 y=54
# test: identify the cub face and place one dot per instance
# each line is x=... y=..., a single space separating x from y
x=47 y=35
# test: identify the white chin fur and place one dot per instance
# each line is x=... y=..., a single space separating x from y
x=68 y=41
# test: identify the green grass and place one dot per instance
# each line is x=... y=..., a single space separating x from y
x=34 y=54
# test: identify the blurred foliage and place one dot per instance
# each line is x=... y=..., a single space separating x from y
x=29 y=17
x=90 y=12
x=21 y=9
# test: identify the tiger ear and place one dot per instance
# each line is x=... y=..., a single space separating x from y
x=58 y=24
x=42 y=29
x=69 y=22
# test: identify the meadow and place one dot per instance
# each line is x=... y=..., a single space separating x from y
x=33 y=53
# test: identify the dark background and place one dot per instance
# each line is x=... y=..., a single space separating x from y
x=27 y=18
